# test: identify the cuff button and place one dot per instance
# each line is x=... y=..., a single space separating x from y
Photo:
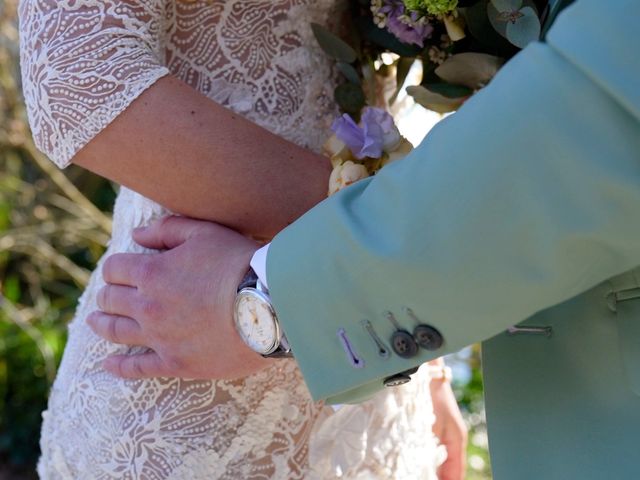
x=428 y=337
x=403 y=343
x=397 y=380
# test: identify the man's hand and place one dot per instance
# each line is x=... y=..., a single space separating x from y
x=179 y=303
x=450 y=429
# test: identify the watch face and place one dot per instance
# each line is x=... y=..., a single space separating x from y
x=255 y=321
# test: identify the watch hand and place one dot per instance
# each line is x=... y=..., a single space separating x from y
x=254 y=318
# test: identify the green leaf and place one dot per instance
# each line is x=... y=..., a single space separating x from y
x=525 y=30
x=449 y=90
x=402 y=70
x=5 y=215
x=333 y=45
x=349 y=72
x=434 y=101
x=350 y=98
x=507 y=5
x=473 y=70
x=11 y=288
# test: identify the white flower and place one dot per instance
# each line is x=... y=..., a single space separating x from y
x=346 y=174
x=336 y=150
x=455 y=27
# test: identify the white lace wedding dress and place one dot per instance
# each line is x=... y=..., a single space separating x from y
x=83 y=63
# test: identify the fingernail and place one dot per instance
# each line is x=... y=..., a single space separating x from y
x=139 y=229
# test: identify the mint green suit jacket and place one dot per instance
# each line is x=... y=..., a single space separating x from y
x=524 y=206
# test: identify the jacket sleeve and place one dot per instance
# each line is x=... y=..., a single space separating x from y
x=83 y=63
x=526 y=197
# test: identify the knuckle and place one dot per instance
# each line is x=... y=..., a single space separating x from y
x=159 y=336
x=166 y=221
x=149 y=309
x=165 y=225
x=174 y=365
x=147 y=271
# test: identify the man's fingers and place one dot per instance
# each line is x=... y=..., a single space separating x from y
x=129 y=268
x=166 y=233
x=122 y=300
x=142 y=365
x=116 y=329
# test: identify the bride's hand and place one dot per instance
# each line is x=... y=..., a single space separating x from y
x=450 y=429
x=178 y=303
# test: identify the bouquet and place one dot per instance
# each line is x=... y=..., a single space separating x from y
x=460 y=44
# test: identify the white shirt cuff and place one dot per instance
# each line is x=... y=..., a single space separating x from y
x=259 y=264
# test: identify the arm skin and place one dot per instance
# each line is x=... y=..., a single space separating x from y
x=195 y=157
x=448 y=426
x=98 y=94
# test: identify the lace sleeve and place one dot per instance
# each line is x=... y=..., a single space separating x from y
x=83 y=62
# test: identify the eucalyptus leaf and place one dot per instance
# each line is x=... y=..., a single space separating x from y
x=507 y=5
x=449 y=90
x=525 y=30
x=349 y=72
x=333 y=45
x=350 y=98
x=471 y=69
x=434 y=101
x=496 y=18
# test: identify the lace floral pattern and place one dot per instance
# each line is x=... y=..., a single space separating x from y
x=83 y=63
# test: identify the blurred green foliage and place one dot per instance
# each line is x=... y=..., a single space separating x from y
x=51 y=236
x=53 y=229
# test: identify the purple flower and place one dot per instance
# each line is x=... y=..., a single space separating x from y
x=377 y=134
x=408 y=27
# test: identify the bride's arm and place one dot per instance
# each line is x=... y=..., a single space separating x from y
x=199 y=159
x=98 y=95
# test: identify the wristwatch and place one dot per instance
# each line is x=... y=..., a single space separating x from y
x=256 y=320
